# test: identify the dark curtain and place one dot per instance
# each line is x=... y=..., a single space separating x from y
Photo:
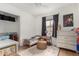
x=55 y=25
x=43 y=26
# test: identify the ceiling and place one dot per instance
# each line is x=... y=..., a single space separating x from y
x=38 y=8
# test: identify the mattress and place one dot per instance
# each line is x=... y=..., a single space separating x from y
x=7 y=42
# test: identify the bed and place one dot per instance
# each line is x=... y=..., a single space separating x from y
x=7 y=46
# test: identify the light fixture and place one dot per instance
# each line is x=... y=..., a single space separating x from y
x=40 y=5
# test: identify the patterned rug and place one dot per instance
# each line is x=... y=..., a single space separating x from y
x=33 y=51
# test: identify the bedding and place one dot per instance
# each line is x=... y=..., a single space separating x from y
x=5 y=42
x=8 y=42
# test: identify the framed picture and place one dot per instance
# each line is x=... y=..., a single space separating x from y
x=68 y=20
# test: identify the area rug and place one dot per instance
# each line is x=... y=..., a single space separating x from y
x=33 y=51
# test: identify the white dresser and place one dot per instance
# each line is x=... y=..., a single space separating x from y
x=67 y=39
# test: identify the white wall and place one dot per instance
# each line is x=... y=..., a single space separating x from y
x=67 y=10
x=73 y=8
x=7 y=26
x=26 y=22
x=38 y=25
x=27 y=26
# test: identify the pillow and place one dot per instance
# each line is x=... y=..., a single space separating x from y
x=4 y=37
x=0 y=37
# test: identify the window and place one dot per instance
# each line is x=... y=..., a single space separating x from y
x=49 y=26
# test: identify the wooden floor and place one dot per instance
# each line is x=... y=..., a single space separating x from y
x=65 y=52
x=62 y=52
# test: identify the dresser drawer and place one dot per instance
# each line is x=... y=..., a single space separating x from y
x=67 y=39
x=67 y=46
x=66 y=33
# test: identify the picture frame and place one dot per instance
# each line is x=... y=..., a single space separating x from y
x=68 y=20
